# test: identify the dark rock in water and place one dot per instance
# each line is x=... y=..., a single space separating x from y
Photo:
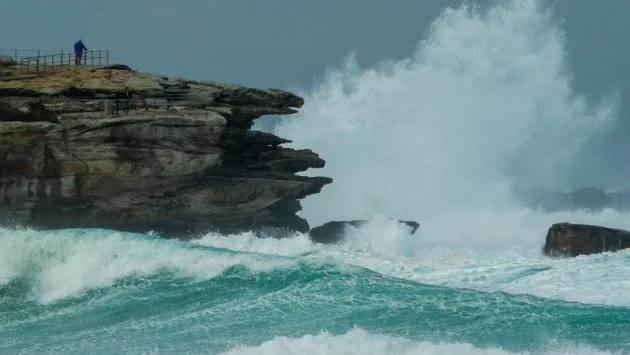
x=565 y=239
x=333 y=232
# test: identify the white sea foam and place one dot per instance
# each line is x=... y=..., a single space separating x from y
x=596 y=279
x=360 y=342
x=249 y=242
x=484 y=105
x=69 y=262
x=387 y=248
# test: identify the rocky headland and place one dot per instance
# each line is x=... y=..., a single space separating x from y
x=196 y=167
x=185 y=161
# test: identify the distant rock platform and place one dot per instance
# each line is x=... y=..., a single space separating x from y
x=174 y=173
x=585 y=199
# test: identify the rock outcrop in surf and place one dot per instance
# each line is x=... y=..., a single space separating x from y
x=334 y=231
x=566 y=239
x=176 y=172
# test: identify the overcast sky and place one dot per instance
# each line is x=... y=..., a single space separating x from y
x=288 y=43
x=283 y=43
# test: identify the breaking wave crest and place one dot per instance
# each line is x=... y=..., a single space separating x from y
x=359 y=342
x=484 y=106
x=67 y=263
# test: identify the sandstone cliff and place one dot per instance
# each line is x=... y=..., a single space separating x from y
x=173 y=172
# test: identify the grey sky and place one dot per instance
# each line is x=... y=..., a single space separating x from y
x=288 y=43
x=252 y=42
x=284 y=42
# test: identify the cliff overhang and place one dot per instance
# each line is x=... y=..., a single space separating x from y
x=177 y=173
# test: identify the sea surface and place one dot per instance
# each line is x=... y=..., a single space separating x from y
x=484 y=106
x=106 y=292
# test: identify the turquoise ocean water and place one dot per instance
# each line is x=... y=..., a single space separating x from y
x=105 y=292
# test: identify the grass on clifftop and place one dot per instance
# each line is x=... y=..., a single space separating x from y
x=37 y=113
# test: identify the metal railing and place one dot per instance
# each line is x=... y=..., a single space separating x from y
x=53 y=62
x=18 y=54
x=38 y=61
x=103 y=106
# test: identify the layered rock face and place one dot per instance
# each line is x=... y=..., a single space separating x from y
x=565 y=239
x=175 y=173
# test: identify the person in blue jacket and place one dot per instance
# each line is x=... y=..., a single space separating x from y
x=79 y=47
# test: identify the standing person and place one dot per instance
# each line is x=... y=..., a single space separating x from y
x=79 y=47
x=128 y=96
x=119 y=96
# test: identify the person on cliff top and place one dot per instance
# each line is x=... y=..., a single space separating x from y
x=79 y=48
x=127 y=97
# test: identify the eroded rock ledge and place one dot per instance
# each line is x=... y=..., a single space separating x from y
x=173 y=173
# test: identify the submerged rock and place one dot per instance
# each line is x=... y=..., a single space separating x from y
x=333 y=232
x=565 y=239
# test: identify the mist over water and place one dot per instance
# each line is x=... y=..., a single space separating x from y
x=484 y=105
